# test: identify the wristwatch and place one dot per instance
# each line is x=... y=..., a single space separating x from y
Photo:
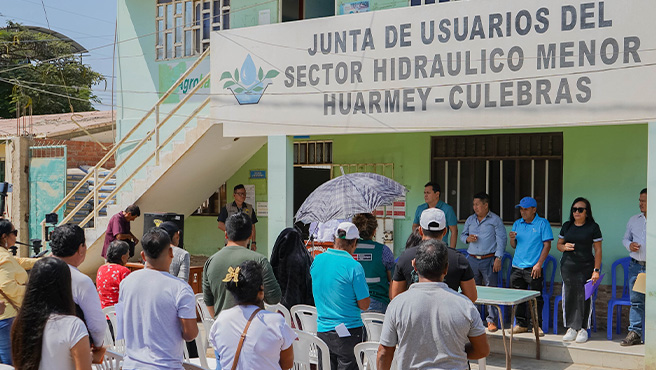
x=597 y=270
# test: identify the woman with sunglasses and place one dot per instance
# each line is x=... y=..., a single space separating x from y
x=13 y=280
x=578 y=237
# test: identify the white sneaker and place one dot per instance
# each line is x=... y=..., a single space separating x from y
x=582 y=336
x=570 y=335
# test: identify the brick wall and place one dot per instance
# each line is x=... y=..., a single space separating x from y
x=81 y=153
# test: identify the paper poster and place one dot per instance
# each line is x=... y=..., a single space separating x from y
x=262 y=209
x=250 y=194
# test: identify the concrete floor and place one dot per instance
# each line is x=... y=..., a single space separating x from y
x=498 y=362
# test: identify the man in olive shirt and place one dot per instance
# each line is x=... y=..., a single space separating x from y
x=238 y=232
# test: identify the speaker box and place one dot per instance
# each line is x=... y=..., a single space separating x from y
x=155 y=219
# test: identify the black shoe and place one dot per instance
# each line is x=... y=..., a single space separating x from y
x=631 y=339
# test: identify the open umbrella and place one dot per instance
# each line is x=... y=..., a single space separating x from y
x=347 y=195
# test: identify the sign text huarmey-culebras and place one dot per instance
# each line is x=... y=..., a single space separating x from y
x=475 y=87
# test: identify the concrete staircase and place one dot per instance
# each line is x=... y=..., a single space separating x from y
x=188 y=173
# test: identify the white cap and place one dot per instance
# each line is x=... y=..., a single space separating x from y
x=432 y=219
x=350 y=229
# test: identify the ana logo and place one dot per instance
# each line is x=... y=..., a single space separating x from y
x=249 y=84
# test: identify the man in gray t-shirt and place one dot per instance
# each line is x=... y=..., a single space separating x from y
x=451 y=320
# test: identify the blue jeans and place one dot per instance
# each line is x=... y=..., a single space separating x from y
x=484 y=275
x=5 y=341
x=218 y=364
x=637 y=299
x=377 y=306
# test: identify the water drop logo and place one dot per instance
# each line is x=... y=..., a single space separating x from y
x=249 y=84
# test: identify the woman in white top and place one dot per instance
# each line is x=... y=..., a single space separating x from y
x=46 y=334
x=268 y=343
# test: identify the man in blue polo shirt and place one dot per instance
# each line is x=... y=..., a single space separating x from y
x=432 y=197
x=340 y=291
x=531 y=237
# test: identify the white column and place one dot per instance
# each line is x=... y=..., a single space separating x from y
x=650 y=303
x=280 y=186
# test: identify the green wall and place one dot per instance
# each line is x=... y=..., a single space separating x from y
x=606 y=164
x=245 y=13
x=374 y=4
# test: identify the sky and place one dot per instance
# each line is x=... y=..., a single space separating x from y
x=90 y=23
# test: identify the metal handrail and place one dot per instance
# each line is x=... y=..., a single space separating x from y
x=110 y=154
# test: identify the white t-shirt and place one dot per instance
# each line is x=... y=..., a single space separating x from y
x=86 y=296
x=60 y=334
x=152 y=304
x=266 y=337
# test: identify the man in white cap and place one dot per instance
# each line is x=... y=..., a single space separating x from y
x=460 y=275
x=340 y=291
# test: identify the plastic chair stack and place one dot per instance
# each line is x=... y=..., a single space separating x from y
x=615 y=303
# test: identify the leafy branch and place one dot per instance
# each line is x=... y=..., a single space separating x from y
x=233 y=80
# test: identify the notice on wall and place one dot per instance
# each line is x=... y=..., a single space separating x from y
x=262 y=209
x=250 y=194
x=458 y=65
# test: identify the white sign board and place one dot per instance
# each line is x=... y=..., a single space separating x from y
x=457 y=65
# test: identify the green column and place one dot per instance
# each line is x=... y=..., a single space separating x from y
x=280 y=186
x=650 y=302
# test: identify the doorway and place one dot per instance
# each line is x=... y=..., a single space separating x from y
x=306 y=180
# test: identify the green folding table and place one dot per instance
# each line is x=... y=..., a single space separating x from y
x=498 y=297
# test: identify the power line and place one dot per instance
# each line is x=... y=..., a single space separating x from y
x=68 y=11
x=137 y=37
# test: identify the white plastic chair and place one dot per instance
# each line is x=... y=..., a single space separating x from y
x=373 y=324
x=306 y=316
x=282 y=310
x=306 y=350
x=111 y=361
x=118 y=346
x=205 y=317
x=365 y=356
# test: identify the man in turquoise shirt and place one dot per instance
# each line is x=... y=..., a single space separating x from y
x=531 y=237
x=432 y=192
x=340 y=291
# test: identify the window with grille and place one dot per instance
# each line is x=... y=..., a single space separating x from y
x=507 y=167
x=184 y=26
x=313 y=152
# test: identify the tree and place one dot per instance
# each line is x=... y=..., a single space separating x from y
x=41 y=70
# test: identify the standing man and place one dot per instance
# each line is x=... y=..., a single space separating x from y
x=486 y=236
x=635 y=241
x=531 y=236
x=432 y=198
x=238 y=234
x=459 y=275
x=441 y=335
x=340 y=291
x=239 y=206
x=68 y=244
x=119 y=229
x=158 y=310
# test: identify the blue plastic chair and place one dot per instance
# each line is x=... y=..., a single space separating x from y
x=559 y=298
x=547 y=289
x=618 y=302
x=463 y=251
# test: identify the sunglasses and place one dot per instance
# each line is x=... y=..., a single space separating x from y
x=15 y=232
x=241 y=194
x=578 y=209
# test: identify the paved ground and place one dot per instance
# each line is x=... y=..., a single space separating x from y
x=498 y=362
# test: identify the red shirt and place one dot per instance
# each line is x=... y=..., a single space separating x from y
x=107 y=281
